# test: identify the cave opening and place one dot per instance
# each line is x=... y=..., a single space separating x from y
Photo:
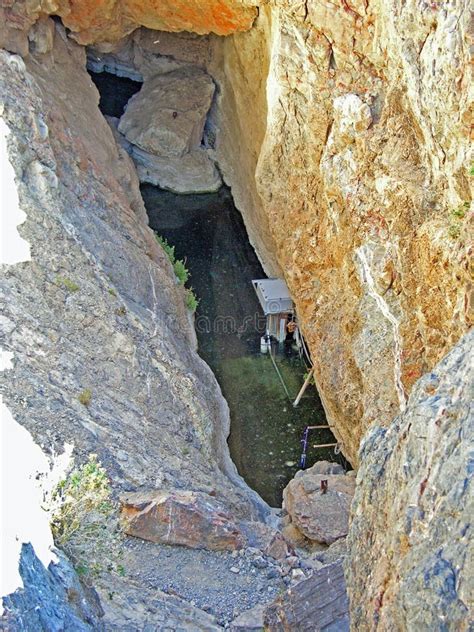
x=209 y=235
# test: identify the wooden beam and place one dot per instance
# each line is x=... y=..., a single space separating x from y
x=303 y=388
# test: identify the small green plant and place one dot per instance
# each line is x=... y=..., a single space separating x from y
x=166 y=247
x=66 y=283
x=85 y=397
x=84 y=520
x=179 y=267
x=181 y=272
x=112 y=292
x=192 y=301
x=457 y=215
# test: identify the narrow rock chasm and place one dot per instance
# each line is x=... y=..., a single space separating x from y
x=208 y=234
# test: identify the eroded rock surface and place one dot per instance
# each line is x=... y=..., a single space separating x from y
x=410 y=564
x=65 y=602
x=103 y=346
x=167 y=116
x=316 y=604
x=180 y=517
x=318 y=502
x=164 y=126
x=344 y=135
x=108 y=21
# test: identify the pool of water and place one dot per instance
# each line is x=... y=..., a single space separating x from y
x=208 y=233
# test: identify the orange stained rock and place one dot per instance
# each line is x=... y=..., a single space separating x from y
x=108 y=20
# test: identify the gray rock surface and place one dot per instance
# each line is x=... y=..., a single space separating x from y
x=410 y=561
x=316 y=604
x=249 y=621
x=98 y=310
x=321 y=516
x=167 y=116
x=63 y=604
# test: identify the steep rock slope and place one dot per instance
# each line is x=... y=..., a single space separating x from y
x=410 y=566
x=103 y=346
x=344 y=135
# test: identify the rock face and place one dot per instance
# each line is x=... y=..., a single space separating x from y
x=409 y=565
x=164 y=127
x=321 y=516
x=103 y=346
x=344 y=136
x=65 y=602
x=316 y=604
x=108 y=21
x=180 y=517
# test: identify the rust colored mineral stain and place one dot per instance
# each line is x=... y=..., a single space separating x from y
x=109 y=20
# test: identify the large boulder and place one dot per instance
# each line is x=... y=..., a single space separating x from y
x=193 y=173
x=321 y=515
x=162 y=129
x=167 y=116
x=188 y=518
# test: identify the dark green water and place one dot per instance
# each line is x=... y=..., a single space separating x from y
x=208 y=232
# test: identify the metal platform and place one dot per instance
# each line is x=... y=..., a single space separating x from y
x=273 y=296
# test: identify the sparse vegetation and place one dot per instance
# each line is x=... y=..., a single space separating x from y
x=457 y=215
x=192 y=301
x=66 y=283
x=85 y=397
x=112 y=292
x=84 y=520
x=181 y=272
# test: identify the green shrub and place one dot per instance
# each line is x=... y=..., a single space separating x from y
x=112 y=292
x=180 y=271
x=84 y=520
x=66 y=283
x=454 y=231
x=85 y=397
x=166 y=247
x=192 y=301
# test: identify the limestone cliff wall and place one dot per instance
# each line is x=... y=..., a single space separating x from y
x=344 y=136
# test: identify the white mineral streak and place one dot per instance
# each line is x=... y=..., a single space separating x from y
x=364 y=253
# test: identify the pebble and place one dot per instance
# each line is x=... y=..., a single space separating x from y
x=234 y=569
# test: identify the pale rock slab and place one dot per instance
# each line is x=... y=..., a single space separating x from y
x=167 y=116
x=162 y=129
x=193 y=173
x=321 y=517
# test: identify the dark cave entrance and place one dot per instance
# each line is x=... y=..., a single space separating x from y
x=115 y=92
x=209 y=234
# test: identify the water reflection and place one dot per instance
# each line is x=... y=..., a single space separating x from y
x=207 y=231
